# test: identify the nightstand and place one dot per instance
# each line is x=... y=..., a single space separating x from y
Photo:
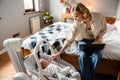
x=66 y=16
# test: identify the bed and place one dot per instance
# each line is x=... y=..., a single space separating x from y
x=110 y=63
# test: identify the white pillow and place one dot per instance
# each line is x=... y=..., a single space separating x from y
x=110 y=27
x=117 y=24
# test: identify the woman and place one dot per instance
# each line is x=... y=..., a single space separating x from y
x=88 y=28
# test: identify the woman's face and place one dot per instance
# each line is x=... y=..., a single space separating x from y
x=77 y=16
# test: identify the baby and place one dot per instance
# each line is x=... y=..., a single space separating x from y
x=61 y=71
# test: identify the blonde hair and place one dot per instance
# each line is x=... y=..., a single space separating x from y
x=79 y=7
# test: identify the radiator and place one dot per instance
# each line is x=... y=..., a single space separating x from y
x=34 y=24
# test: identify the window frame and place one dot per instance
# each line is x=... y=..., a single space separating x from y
x=29 y=11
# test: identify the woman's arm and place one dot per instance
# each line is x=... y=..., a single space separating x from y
x=102 y=32
x=67 y=43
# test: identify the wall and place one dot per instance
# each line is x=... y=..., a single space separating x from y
x=118 y=11
x=55 y=8
x=13 y=19
x=106 y=7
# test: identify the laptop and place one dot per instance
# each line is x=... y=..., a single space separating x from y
x=91 y=47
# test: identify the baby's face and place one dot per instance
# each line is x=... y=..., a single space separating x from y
x=44 y=63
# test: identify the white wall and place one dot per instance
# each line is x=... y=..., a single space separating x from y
x=106 y=7
x=55 y=8
x=13 y=19
x=118 y=11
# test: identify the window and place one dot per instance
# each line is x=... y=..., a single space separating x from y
x=31 y=5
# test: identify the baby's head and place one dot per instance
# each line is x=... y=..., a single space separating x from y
x=44 y=63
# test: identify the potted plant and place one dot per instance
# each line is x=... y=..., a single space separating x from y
x=48 y=18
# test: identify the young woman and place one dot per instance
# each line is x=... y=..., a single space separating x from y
x=88 y=28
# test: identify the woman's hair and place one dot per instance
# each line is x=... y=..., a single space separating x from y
x=79 y=7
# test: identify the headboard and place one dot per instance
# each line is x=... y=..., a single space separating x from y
x=65 y=16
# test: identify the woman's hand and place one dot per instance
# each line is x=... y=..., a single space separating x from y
x=95 y=42
x=54 y=56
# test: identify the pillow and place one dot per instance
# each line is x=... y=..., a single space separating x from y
x=110 y=27
x=117 y=24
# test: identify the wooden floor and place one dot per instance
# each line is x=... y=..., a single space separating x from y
x=7 y=70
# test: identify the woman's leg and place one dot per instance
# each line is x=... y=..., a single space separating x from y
x=95 y=59
x=84 y=62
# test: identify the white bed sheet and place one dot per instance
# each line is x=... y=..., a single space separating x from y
x=112 y=48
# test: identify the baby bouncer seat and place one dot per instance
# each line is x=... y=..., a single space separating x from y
x=29 y=67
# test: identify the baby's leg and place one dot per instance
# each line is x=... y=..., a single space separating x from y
x=62 y=77
x=75 y=74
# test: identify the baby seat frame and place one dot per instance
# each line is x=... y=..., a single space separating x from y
x=13 y=45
